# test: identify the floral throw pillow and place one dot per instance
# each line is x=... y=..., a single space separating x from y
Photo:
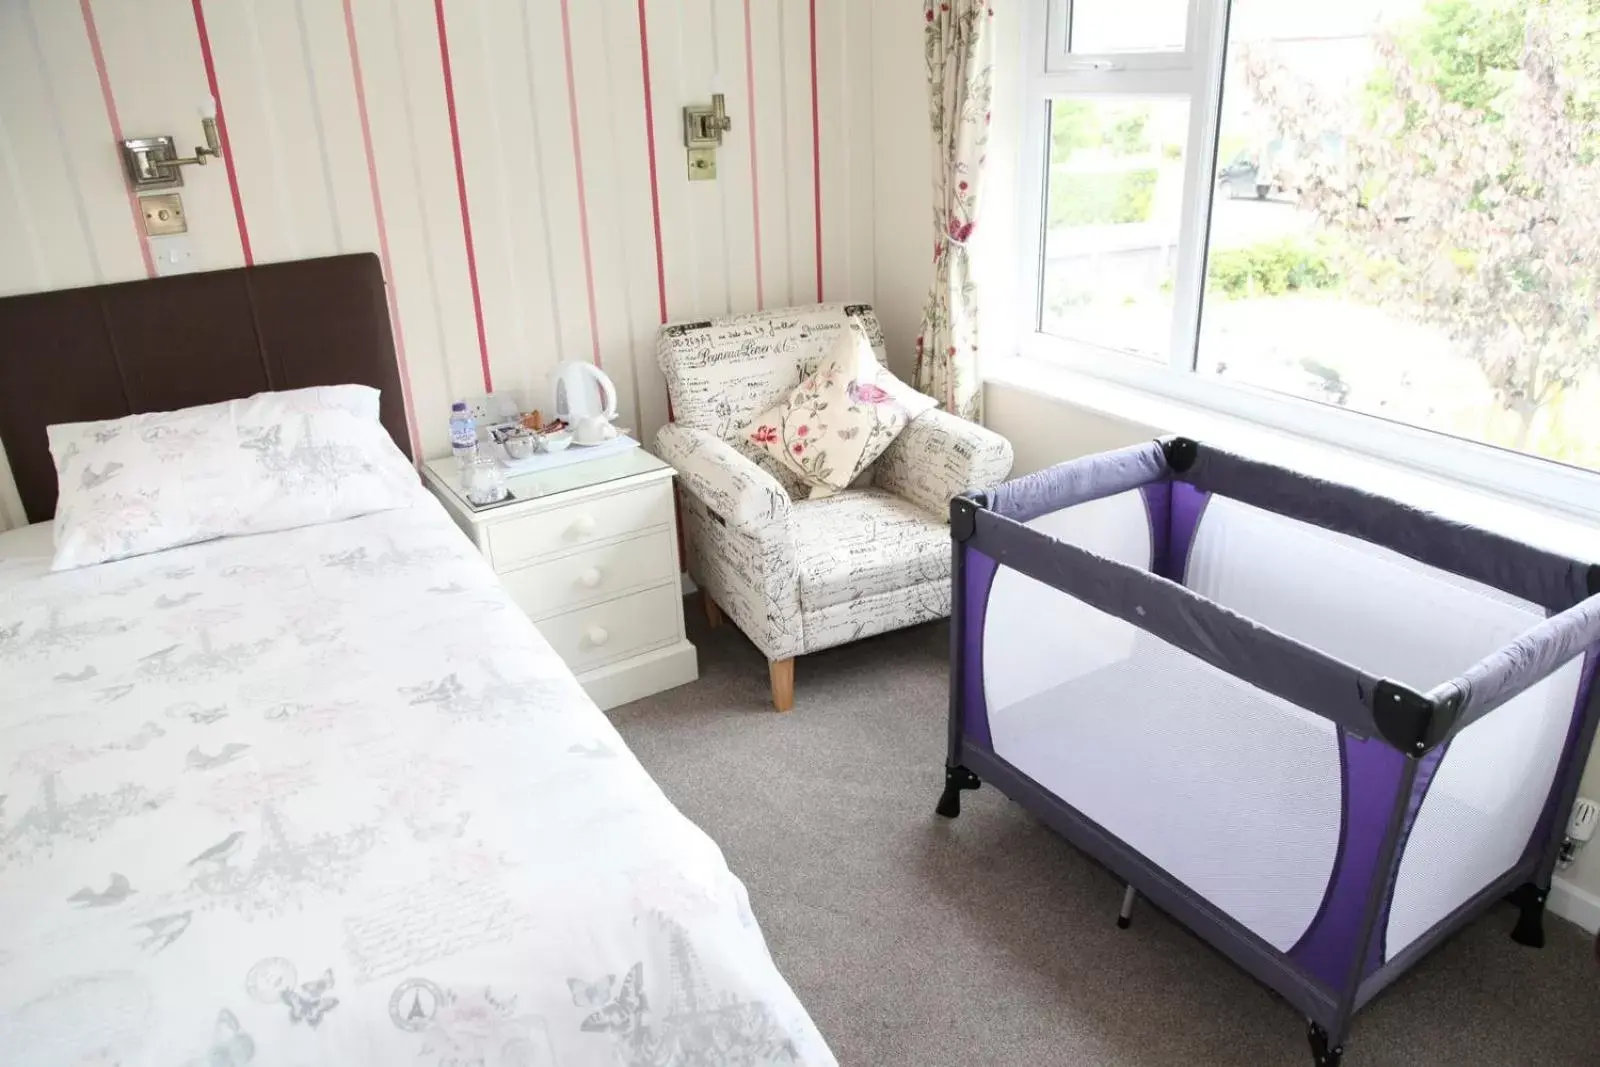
x=831 y=427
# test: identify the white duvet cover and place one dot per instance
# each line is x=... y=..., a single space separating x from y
x=326 y=797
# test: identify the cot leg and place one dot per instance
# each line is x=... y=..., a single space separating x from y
x=955 y=780
x=1530 y=923
x=1322 y=1053
x=1125 y=916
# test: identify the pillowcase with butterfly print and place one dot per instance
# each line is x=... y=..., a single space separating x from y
x=273 y=461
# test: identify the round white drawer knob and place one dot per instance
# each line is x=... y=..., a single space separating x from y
x=584 y=526
x=598 y=635
x=589 y=577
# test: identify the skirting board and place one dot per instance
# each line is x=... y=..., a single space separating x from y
x=1574 y=905
x=641 y=676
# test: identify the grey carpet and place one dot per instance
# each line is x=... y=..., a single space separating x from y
x=989 y=940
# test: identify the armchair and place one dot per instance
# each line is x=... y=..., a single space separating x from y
x=799 y=575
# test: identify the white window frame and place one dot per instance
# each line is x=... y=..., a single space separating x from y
x=1196 y=74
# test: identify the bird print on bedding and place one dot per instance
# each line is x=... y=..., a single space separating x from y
x=115 y=893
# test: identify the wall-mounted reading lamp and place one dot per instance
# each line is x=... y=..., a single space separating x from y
x=703 y=128
x=153 y=162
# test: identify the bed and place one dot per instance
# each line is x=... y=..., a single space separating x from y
x=326 y=796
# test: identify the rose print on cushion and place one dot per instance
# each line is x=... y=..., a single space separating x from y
x=832 y=425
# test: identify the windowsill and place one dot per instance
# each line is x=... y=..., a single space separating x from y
x=1477 y=505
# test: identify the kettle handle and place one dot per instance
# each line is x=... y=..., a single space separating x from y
x=608 y=389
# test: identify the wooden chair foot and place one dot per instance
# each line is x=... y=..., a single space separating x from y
x=782 y=672
x=713 y=613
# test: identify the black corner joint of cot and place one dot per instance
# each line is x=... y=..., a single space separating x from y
x=1181 y=452
x=1409 y=721
x=1529 y=899
x=964 y=513
x=956 y=779
x=1324 y=1053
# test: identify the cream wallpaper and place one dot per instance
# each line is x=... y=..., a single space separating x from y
x=518 y=164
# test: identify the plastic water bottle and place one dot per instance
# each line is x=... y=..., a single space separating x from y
x=463 y=433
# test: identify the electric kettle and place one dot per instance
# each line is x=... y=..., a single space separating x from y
x=585 y=397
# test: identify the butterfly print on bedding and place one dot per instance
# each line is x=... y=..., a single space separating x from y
x=311 y=1002
x=622 y=1014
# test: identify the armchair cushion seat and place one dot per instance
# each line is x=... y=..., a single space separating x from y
x=863 y=542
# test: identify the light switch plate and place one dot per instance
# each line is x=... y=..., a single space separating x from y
x=702 y=164
x=163 y=215
x=173 y=255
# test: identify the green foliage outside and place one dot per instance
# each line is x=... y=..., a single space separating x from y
x=1095 y=199
x=1464 y=195
x=1078 y=125
x=1272 y=268
x=1080 y=197
x=1472 y=50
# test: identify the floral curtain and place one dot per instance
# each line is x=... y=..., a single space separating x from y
x=957 y=42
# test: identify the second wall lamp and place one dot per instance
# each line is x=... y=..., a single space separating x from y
x=703 y=128
x=153 y=162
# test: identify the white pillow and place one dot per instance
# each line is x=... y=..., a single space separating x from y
x=274 y=461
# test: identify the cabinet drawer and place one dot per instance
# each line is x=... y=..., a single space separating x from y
x=528 y=537
x=593 y=574
x=616 y=629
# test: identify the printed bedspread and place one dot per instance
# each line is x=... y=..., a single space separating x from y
x=327 y=797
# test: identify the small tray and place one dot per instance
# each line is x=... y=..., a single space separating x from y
x=509 y=498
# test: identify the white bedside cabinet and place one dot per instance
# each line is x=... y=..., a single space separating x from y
x=590 y=552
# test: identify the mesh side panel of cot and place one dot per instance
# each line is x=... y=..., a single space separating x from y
x=1233 y=791
x=1482 y=806
x=1025 y=655
x=1371 y=607
x=1421 y=625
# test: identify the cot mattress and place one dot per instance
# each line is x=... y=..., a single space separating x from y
x=326 y=796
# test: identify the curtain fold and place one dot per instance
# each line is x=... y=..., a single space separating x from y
x=957 y=41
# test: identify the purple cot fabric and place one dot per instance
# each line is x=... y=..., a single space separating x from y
x=1078 y=481
x=1526 y=661
x=979 y=570
x=1551 y=581
x=1377 y=945
x=1331 y=949
x=1188 y=505
x=1158 y=513
x=1225 y=639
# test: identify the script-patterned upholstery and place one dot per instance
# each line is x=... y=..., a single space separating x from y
x=800 y=575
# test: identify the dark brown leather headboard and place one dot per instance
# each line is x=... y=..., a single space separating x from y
x=111 y=350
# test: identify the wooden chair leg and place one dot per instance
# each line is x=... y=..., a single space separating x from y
x=713 y=613
x=782 y=672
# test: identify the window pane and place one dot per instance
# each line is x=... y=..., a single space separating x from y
x=1115 y=190
x=1100 y=26
x=1406 y=215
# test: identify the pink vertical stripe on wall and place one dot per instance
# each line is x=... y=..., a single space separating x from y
x=755 y=177
x=577 y=164
x=650 y=154
x=110 y=100
x=222 y=128
x=383 y=232
x=461 y=189
x=816 y=148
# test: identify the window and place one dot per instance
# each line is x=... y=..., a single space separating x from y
x=1310 y=211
